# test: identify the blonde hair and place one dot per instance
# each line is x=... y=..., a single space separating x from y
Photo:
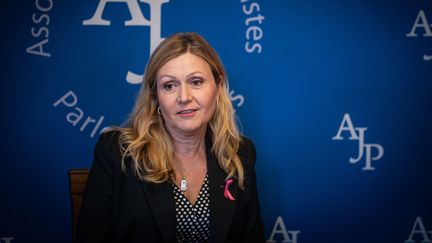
x=145 y=138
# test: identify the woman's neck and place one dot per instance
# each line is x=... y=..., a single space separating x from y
x=188 y=145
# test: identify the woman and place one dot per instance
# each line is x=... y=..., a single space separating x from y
x=178 y=171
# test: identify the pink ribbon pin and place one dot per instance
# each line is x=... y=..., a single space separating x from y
x=227 y=193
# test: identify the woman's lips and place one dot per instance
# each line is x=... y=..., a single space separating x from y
x=187 y=112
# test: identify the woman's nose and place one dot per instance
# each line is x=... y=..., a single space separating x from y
x=184 y=95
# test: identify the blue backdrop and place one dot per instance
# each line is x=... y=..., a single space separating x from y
x=335 y=94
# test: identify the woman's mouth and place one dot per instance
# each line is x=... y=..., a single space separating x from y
x=188 y=112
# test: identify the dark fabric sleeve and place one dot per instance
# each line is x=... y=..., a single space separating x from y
x=255 y=228
x=95 y=223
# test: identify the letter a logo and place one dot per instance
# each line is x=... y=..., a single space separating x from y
x=138 y=19
x=358 y=133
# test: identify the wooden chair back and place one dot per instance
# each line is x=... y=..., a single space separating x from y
x=77 y=184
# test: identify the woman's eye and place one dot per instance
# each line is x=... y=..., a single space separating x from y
x=168 y=86
x=196 y=82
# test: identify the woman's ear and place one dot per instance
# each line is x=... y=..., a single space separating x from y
x=221 y=81
x=219 y=86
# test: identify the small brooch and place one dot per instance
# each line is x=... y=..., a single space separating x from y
x=227 y=193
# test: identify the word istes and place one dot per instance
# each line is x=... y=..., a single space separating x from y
x=254 y=32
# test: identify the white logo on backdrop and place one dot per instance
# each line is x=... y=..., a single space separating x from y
x=254 y=33
x=422 y=24
x=138 y=19
x=235 y=98
x=358 y=133
x=74 y=117
x=40 y=20
x=419 y=232
x=279 y=228
x=6 y=239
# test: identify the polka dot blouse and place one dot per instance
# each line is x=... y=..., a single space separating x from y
x=193 y=221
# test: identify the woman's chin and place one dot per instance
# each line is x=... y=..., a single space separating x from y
x=189 y=129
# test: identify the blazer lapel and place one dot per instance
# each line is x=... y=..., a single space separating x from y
x=221 y=208
x=161 y=201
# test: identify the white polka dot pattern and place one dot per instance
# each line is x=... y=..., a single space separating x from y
x=193 y=221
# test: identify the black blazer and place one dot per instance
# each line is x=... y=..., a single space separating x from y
x=118 y=207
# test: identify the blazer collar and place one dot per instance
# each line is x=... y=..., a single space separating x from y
x=221 y=208
x=161 y=202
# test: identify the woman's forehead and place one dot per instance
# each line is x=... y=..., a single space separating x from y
x=184 y=65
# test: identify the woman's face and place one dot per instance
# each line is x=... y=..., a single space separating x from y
x=187 y=93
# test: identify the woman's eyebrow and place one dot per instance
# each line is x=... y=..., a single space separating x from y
x=197 y=72
x=167 y=75
x=188 y=76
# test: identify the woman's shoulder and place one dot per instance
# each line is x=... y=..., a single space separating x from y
x=246 y=143
x=108 y=142
x=247 y=151
x=109 y=136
